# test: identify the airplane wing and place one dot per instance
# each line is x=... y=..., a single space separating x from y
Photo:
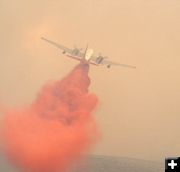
x=94 y=57
x=109 y=63
x=57 y=45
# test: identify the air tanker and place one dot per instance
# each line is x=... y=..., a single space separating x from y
x=87 y=56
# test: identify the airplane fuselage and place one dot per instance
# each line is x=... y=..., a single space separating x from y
x=86 y=59
x=88 y=54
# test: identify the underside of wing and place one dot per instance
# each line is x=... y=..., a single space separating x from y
x=65 y=49
x=75 y=57
x=93 y=57
x=109 y=63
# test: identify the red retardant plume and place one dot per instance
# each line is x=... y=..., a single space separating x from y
x=56 y=129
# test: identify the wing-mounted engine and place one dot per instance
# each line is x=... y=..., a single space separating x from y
x=76 y=51
x=100 y=59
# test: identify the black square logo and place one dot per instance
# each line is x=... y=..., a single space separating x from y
x=172 y=164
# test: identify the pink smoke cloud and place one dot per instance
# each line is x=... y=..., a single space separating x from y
x=57 y=128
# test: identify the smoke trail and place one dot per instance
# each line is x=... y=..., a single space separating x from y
x=56 y=129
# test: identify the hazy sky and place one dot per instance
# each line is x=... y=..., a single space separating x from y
x=139 y=110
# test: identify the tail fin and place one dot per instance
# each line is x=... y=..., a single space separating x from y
x=88 y=54
x=85 y=51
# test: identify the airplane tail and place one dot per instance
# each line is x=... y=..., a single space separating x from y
x=88 y=54
x=85 y=52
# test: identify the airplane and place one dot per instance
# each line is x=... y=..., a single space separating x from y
x=86 y=57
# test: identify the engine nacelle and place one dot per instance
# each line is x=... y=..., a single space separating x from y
x=99 y=59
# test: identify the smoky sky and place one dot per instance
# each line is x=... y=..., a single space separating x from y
x=139 y=109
